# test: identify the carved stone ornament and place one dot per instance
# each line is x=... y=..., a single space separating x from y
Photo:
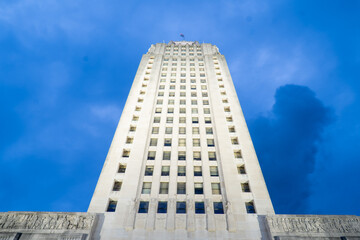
x=46 y=221
x=313 y=224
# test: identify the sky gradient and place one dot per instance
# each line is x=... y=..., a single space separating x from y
x=66 y=68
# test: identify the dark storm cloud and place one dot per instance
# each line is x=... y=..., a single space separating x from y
x=287 y=141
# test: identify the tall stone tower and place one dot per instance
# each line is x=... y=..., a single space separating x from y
x=182 y=163
x=181 y=166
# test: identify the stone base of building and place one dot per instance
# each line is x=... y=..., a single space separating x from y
x=90 y=226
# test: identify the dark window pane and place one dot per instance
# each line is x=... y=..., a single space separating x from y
x=180 y=207
x=111 y=206
x=199 y=207
x=162 y=207
x=218 y=208
x=143 y=207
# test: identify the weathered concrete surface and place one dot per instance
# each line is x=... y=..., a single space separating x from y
x=46 y=225
x=289 y=227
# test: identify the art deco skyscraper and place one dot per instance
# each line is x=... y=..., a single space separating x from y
x=182 y=163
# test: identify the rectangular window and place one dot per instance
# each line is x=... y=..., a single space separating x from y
x=169 y=120
x=166 y=155
x=182 y=94
x=195 y=130
x=206 y=110
x=182 y=119
x=241 y=169
x=205 y=102
x=182 y=142
x=132 y=129
x=167 y=142
x=111 y=206
x=182 y=156
x=135 y=118
x=229 y=119
x=195 y=120
x=194 y=110
x=129 y=140
x=207 y=120
x=212 y=156
x=170 y=110
x=181 y=207
x=165 y=170
x=245 y=187
x=250 y=208
x=181 y=188
x=199 y=188
x=197 y=156
x=210 y=143
x=146 y=189
x=168 y=130
x=196 y=142
x=215 y=188
x=164 y=188
x=156 y=119
x=193 y=102
x=117 y=186
x=182 y=101
x=231 y=129
x=171 y=94
x=171 y=101
x=199 y=207
x=237 y=154
x=209 y=130
x=122 y=168
x=149 y=170
x=160 y=94
x=197 y=171
x=153 y=142
x=126 y=153
x=162 y=207
x=218 y=208
x=151 y=155
x=182 y=130
x=155 y=130
x=214 y=171
x=182 y=110
x=181 y=170
x=235 y=141
x=143 y=207
x=193 y=94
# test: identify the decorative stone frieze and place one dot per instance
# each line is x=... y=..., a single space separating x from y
x=310 y=226
x=46 y=225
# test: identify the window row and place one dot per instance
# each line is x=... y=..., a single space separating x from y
x=184 y=59
x=181 y=171
x=169 y=130
x=183 y=94
x=201 y=64
x=181 y=207
x=207 y=120
x=181 y=188
x=182 y=141
x=183 y=110
x=192 y=80
x=183 y=87
x=182 y=155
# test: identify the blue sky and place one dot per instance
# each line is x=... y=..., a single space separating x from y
x=66 y=68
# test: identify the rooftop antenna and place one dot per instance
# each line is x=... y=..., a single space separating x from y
x=183 y=36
